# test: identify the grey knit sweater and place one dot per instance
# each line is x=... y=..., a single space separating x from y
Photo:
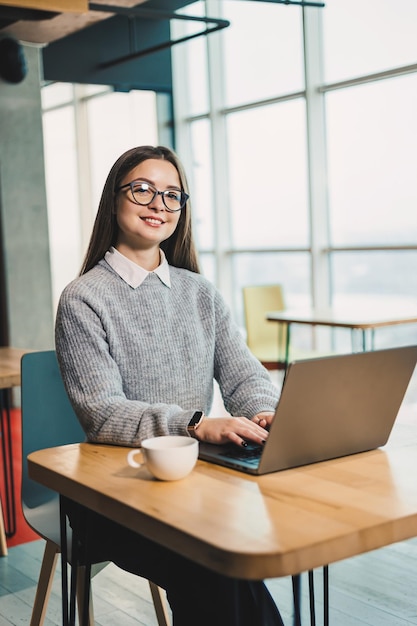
x=138 y=362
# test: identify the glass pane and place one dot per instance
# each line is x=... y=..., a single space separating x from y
x=92 y=90
x=195 y=58
x=62 y=198
x=263 y=49
x=268 y=176
x=372 y=156
x=118 y=122
x=368 y=277
x=56 y=94
x=201 y=181
x=292 y=271
x=381 y=282
x=208 y=266
x=366 y=37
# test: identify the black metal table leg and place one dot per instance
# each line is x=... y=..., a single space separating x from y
x=287 y=346
x=8 y=474
x=64 y=559
x=296 y=590
x=312 y=598
x=74 y=576
x=79 y=556
x=326 y=594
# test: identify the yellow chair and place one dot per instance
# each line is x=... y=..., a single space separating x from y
x=266 y=340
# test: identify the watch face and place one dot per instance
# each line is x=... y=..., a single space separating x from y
x=195 y=420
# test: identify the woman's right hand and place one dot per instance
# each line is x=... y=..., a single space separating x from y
x=238 y=430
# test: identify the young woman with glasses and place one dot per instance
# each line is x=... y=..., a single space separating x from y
x=140 y=336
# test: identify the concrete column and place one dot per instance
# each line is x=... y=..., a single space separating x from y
x=24 y=217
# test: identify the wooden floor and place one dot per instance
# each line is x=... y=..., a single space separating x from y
x=374 y=589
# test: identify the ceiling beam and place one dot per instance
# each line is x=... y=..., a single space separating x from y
x=59 y=6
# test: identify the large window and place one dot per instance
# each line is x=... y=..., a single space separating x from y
x=263 y=51
x=268 y=178
x=372 y=153
x=363 y=37
x=86 y=128
x=307 y=147
x=62 y=185
x=297 y=129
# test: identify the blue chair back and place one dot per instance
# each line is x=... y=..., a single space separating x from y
x=48 y=419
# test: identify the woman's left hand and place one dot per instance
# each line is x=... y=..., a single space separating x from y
x=264 y=419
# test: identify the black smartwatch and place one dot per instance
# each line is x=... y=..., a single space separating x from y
x=194 y=423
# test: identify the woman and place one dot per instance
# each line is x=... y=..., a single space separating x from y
x=140 y=336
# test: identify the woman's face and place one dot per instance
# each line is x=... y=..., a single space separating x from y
x=144 y=227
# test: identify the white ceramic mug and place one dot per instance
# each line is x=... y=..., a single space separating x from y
x=167 y=457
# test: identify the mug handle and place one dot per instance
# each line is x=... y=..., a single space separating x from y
x=130 y=458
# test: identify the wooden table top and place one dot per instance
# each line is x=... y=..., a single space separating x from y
x=360 y=320
x=249 y=527
x=10 y=366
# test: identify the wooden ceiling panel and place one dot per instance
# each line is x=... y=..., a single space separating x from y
x=54 y=27
x=60 y=6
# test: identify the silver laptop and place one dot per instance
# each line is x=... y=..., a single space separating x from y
x=329 y=407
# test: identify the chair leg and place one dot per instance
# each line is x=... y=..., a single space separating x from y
x=44 y=587
x=43 y=590
x=159 y=601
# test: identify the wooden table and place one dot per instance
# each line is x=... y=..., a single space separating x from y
x=9 y=377
x=366 y=322
x=248 y=527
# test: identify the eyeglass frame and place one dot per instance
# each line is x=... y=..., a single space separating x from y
x=184 y=195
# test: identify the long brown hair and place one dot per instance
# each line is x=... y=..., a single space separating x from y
x=179 y=248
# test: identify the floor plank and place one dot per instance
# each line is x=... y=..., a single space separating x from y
x=374 y=589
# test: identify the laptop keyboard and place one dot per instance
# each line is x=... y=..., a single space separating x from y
x=251 y=454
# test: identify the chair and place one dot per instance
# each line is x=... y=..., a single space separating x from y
x=48 y=420
x=266 y=340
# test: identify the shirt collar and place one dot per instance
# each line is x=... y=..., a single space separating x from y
x=134 y=274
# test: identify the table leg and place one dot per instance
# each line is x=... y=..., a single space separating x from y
x=296 y=585
x=326 y=595
x=296 y=590
x=287 y=347
x=64 y=560
x=74 y=577
x=84 y=533
x=3 y=542
x=79 y=554
x=372 y=338
x=86 y=600
x=312 y=598
x=8 y=474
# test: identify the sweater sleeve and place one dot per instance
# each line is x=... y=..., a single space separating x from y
x=94 y=383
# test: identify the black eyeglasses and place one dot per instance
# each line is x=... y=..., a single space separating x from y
x=145 y=193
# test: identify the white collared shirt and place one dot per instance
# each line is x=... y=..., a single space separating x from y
x=134 y=274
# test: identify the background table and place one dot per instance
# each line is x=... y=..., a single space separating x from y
x=9 y=378
x=365 y=322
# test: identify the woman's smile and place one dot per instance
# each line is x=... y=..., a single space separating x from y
x=153 y=221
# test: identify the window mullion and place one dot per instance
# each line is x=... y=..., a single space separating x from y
x=222 y=225
x=87 y=212
x=317 y=167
